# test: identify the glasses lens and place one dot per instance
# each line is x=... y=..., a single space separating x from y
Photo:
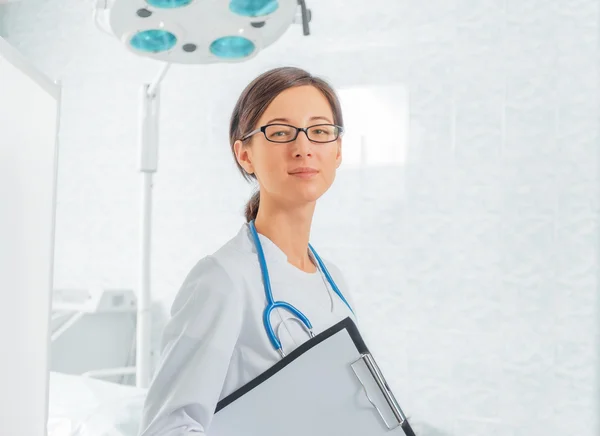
x=280 y=133
x=323 y=133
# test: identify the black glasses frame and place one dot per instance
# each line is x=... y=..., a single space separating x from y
x=263 y=129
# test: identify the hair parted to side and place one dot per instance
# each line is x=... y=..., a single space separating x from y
x=255 y=99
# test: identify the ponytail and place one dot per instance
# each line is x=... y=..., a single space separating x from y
x=252 y=207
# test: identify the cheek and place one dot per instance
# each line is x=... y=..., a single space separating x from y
x=330 y=163
x=269 y=163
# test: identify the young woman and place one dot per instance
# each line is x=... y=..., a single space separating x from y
x=285 y=132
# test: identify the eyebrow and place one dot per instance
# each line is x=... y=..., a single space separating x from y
x=285 y=120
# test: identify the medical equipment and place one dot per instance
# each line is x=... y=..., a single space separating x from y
x=94 y=300
x=271 y=304
x=184 y=32
x=199 y=31
x=104 y=317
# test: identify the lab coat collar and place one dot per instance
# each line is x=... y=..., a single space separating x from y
x=272 y=252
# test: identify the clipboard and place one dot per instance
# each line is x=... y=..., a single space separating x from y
x=328 y=386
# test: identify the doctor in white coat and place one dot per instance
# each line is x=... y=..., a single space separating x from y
x=285 y=132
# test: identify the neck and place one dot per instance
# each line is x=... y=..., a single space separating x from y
x=289 y=229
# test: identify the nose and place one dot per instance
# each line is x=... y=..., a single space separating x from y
x=302 y=145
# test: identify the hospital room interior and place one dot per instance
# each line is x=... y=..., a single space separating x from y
x=464 y=216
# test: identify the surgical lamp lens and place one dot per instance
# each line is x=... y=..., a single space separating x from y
x=168 y=4
x=153 y=40
x=253 y=8
x=232 y=47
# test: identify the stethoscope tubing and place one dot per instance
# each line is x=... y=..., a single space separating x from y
x=272 y=304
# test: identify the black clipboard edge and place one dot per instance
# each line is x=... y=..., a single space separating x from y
x=345 y=324
x=408 y=431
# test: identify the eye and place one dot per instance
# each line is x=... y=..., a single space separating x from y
x=322 y=131
x=279 y=132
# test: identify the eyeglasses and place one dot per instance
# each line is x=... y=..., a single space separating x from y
x=282 y=133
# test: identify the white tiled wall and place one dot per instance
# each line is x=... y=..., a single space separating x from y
x=474 y=263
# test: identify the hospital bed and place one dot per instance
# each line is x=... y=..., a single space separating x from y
x=103 y=317
x=84 y=406
x=91 y=390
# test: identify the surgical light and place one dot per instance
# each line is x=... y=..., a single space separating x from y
x=153 y=41
x=232 y=47
x=253 y=8
x=168 y=4
x=199 y=31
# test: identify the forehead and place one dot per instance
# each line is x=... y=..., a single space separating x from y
x=298 y=105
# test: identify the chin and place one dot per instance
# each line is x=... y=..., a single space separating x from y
x=309 y=194
x=305 y=191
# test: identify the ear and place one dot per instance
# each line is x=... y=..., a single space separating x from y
x=242 y=154
x=338 y=156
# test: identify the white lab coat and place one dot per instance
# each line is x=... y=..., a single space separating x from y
x=216 y=342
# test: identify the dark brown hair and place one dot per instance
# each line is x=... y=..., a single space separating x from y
x=255 y=99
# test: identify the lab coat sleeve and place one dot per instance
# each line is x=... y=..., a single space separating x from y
x=198 y=343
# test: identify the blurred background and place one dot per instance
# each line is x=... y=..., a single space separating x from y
x=465 y=215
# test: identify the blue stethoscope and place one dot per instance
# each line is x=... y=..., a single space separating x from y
x=271 y=304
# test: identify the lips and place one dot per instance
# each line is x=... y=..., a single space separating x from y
x=304 y=173
x=307 y=171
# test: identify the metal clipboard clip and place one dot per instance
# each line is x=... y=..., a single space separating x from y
x=374 y=371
